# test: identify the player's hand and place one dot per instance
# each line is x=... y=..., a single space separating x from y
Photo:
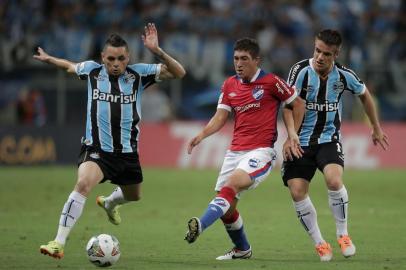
x=150 y=37
x=379 y=137
x=291 y=148
x=193 y=142
x=42 y=55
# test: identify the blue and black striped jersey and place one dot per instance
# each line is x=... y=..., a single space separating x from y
x=322 y=119
x=114 y=104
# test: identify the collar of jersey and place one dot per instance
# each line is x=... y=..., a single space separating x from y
x=253 y=78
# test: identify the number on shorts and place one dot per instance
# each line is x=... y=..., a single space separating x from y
x=338 y=147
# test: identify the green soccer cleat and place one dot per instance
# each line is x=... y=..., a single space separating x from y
x=53 y=249
x=113 y=214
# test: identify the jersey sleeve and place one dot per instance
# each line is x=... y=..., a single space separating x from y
x=84 y=68
x=223 y=102
x=149 y=73
x=283 y=91
x=354 y=83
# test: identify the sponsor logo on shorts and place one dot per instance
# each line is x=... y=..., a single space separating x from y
x=253 y=162
x=95 y=155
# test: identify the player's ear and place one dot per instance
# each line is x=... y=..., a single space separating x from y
x=337 y=52
x=258 y=60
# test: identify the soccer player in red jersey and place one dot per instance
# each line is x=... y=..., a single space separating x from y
x=254 y=97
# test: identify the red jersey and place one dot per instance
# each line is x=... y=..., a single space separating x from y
x=255 y=105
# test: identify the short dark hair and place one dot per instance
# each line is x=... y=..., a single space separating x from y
x=247 y=44
x=330 y=37
x=116 y=40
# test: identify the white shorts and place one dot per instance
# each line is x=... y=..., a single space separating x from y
x=257 y=163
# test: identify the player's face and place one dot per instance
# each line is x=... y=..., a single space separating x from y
x=245 y=66
x=115 y=59
x=323 y=57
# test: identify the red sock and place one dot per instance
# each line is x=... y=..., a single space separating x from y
x=231 y=218
x=227 y=193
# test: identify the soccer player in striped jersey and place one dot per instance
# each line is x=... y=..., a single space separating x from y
x=321 y=81
x=254 y=97
x=110 y=144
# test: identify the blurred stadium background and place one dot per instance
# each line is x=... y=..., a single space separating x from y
x=42 y=117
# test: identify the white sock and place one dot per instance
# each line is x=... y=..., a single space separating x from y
x=338 y=201
x=115 y=198
x=70 y=214
x=308 y=218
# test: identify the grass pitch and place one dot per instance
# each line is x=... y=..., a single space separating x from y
x=152 y=231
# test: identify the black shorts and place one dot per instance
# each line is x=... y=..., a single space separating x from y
x=314 y=157
x=119 y=168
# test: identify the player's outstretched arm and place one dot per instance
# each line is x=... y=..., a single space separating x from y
x=61 y=63
x=171 y=68
x=214 y=125
x=378 y=136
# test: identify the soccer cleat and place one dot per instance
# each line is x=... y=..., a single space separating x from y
x=53 y=249
x=346 y=245
x=194 y=231
x=325 y=251
x=113 y=214
x=236 y=254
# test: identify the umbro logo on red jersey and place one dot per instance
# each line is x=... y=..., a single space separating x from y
x=232 y=94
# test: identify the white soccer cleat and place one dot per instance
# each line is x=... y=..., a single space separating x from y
x=236 y=254
x=346 y=245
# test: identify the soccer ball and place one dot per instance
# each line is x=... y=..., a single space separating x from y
x=103 y=250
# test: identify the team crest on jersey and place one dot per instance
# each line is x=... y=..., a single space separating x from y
x=338 y=86
x=258 y=92
x=129 y=77
x=253 y=162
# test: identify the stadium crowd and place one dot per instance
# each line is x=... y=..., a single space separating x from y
x=201 y=33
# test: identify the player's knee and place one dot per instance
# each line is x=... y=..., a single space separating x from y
x=334 y=183
x=298 y=194
x=83 y=187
